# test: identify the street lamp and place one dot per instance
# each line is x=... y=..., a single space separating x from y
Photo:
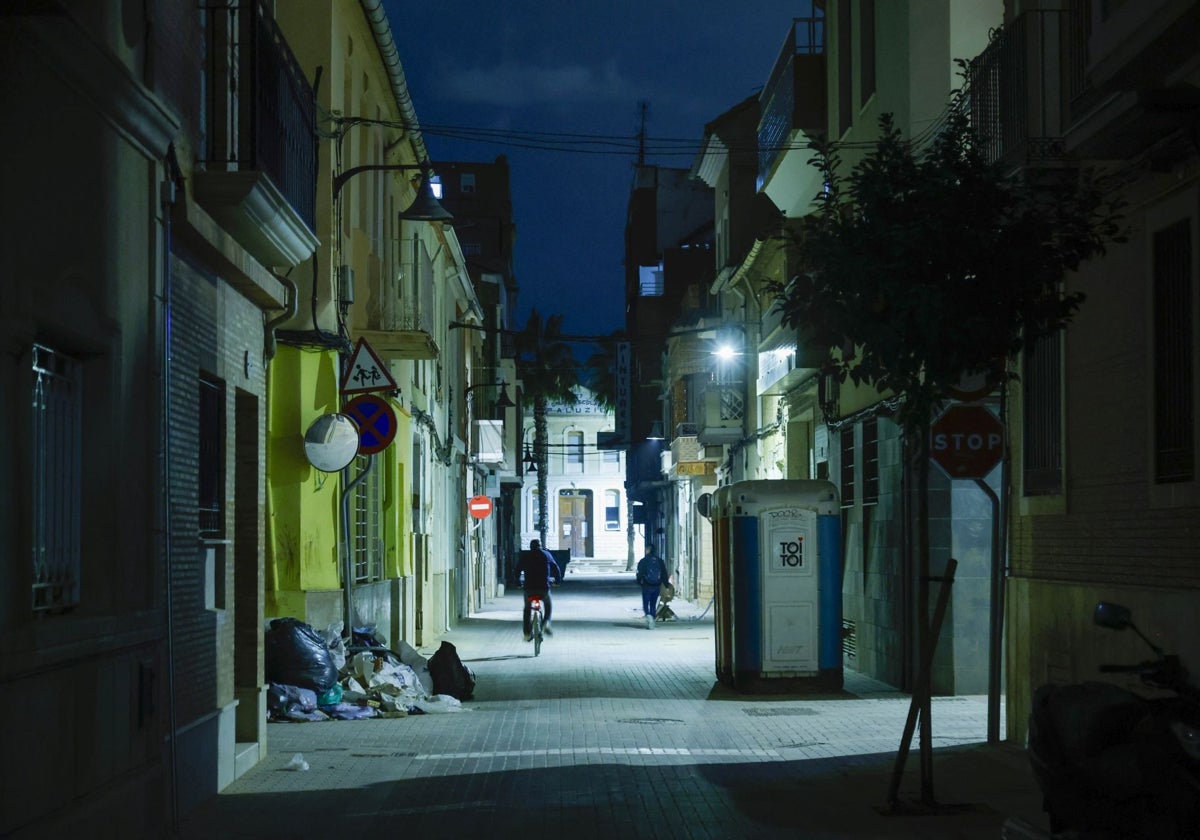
x=425 y=207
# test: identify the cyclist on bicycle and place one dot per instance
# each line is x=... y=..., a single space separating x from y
x=538 y=569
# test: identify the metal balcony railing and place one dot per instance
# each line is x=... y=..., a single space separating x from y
x=1017 y=88
x=260 y=108
x=794 y=96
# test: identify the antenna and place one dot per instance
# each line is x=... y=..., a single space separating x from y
x=641 y=135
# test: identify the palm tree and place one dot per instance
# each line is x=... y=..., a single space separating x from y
x=548 y=371
x=601 y=371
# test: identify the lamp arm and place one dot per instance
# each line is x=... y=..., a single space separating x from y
x=341 y=178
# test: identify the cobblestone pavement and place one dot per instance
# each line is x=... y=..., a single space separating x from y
x=620 y=731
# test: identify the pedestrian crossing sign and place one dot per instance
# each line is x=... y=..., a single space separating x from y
x=366 y=372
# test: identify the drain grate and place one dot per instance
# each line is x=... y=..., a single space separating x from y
x=649 y=721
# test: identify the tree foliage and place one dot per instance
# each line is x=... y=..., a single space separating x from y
x=600 y=368
x=922 y=266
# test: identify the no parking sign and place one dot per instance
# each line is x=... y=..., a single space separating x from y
x=376 y=422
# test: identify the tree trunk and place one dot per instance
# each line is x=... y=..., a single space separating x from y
x=539 y=457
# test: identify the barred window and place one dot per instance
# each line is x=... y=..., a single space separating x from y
x=57 y=486
x=1041 y=388
x=1174 y=338
x=870 y=461
x=211 y=467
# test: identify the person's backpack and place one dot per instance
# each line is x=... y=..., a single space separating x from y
x=652 y=571
x=450 y=675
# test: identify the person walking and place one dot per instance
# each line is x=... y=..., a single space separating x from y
x=651 y=574
x=538 y=569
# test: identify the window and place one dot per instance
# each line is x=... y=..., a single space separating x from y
x=367 y=528
x=650 y=281
x=612 y=510
x=1041 y=384
x=575 y=450
x=866 y=33
x=1174 y=335
x=466 y=182
x=57 y=488
x=211 y=467
x=612 y=456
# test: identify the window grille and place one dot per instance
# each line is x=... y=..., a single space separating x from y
x=57 y=486
x=366 y=537
x=870 y=461
x=1042 y=417
x=846 y=438
x=211 y=466
x=1174 y=412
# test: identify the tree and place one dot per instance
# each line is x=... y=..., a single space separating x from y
x=547 y=369
x=601 y=371
x=923 y=266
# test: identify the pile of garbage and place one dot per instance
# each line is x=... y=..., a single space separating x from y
x=315 y=676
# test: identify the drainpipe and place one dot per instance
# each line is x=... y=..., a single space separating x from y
x=293 y=305
x=168 y=198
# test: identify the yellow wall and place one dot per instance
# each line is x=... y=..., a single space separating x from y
x=302 y=502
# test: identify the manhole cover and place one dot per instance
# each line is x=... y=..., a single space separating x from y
x=780 y=712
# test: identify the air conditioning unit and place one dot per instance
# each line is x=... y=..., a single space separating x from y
x=489 y=442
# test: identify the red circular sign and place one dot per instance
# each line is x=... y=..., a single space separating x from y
x=376 y=422
x=967 y=441
x=480 y=506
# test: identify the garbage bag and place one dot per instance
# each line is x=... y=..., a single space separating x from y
x=296 y=654
x=450 y=675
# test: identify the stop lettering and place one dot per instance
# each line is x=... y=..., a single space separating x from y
x=967 y=441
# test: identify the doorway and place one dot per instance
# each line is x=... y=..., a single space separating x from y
x=575 y=522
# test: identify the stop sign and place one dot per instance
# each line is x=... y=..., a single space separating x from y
x=967 y=441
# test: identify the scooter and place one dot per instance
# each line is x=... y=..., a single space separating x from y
x=1114 y=764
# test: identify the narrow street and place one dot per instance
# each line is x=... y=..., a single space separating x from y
x=620 y=731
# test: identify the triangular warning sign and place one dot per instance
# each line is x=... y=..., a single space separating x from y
x=366 y=372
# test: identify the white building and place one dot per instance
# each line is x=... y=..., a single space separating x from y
x=587 y=514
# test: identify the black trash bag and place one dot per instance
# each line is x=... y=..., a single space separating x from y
x=450 y=675
x=296 y=654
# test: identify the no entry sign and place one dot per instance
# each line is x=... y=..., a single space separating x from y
x=967 y=441
x=480 y=506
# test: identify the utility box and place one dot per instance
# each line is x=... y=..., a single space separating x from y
x=778 y=582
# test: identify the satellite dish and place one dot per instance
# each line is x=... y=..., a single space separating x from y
x=331 y=442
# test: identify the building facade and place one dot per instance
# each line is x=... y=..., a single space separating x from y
x=588 y=510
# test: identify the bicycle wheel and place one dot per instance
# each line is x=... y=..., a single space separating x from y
x=536 y=623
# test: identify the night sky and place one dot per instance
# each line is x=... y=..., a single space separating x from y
x=555 y=87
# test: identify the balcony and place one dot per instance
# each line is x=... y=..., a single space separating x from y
x=258 y=150
x=1017 y=87
x=793 y=102
x=724 y=410
x=1127 y=86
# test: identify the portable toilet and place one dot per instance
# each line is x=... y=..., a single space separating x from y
x=777 y=549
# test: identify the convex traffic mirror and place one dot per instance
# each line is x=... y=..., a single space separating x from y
x=331 y=442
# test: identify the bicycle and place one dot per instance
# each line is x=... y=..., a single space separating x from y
x=535 y=622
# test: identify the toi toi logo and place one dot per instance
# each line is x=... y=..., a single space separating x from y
x=791 y=553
